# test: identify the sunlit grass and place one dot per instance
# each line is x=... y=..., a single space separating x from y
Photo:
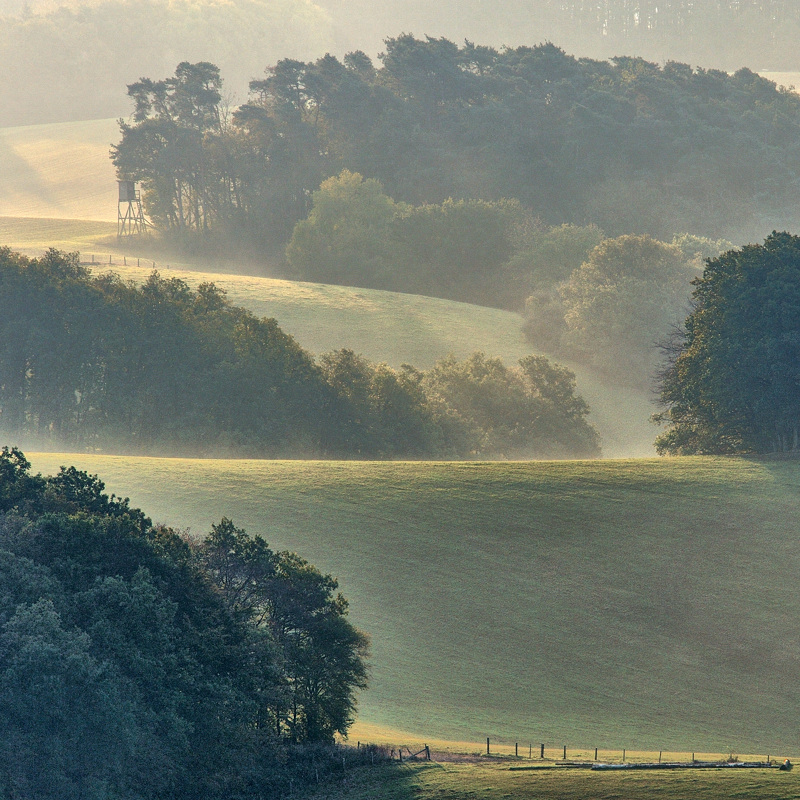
x=647 y=605
x=449 y=781
x=60 y=170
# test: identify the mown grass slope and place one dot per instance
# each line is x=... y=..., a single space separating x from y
x=648 y=604
x=61 y=170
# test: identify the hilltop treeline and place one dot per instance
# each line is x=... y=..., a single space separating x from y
x=625 y=144
x=136 y=663
x=95 y=362
x=723 y=33
x=66 y=59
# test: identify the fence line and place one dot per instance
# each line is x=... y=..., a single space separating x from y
x=539 y=751
x=93 y=260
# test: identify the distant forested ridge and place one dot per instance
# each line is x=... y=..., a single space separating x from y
x=66 y=59
x=98 y=363
x=628 y=145
x=138 y=663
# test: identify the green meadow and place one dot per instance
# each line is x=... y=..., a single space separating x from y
x=646 y=604
x=449 y=781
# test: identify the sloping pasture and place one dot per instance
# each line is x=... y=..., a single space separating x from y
x=61 y=171
x=646 y=604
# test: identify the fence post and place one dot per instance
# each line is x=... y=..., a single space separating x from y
x=516 y=749
x=565 y=752
x=541 y=751
x=530 y=750
x=427 y=753
x=487 y=745
x=659 y=756
x=595 y=754
x=623 y=755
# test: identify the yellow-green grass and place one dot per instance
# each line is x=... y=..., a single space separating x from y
x=646 y=604
x=32 y=236
x=457 y=781
x=529 y=752
x=60 y=170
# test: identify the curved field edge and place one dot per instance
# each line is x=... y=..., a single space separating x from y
x=383 y=326
x=646 y=604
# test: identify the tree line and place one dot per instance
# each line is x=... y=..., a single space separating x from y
x=95 y=362
x=603 y=301
x=136 y=662
x=66 y=60
x=626 y=144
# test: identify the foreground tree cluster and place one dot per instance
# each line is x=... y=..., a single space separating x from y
x=136 y=663
x=94 y=362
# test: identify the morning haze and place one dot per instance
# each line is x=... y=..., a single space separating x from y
x=400 y=288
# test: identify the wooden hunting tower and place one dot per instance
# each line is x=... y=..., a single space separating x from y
x=130 y=216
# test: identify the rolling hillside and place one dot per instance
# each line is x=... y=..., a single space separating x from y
x=642 y=604
x=383 y=326
x=61 y=170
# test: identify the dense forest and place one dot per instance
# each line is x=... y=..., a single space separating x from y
x=627 y=145
x=98 y=363
x=66 y=59
x=136 y=662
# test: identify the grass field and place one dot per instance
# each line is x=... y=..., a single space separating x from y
x=457 y=781
x=646 y=604
x=60 y=170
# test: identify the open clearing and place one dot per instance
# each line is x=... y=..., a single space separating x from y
x=648 y=604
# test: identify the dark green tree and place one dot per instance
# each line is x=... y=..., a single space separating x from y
x=322 y=655
x=733 y=380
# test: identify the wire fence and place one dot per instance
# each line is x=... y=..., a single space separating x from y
x=549 y=754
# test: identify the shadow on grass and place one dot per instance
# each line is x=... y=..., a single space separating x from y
x=388 y=782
